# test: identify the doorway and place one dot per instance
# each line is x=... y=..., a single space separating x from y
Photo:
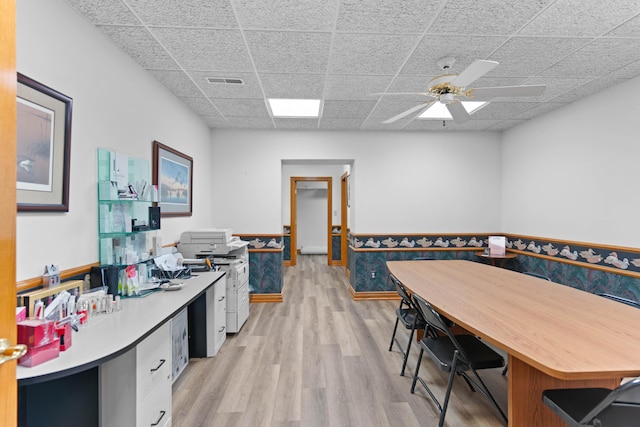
x=294 y=185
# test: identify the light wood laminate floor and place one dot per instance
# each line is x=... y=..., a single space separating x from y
x=321 y=359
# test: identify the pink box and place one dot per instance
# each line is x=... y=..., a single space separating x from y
x=38 y=355
x=21 y=314
x=36 y=332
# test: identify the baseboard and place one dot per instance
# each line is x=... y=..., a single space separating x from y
x=265 y=298
x=372 y=296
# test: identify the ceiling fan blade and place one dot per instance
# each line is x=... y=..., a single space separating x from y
x=473 y=72
x=458 y=112
x=401 y=93
x=406 y=113
x=493 y=92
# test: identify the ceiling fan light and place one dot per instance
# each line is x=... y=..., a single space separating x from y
x=438 y=111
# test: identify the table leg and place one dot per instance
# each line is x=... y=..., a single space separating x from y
x=526 y=385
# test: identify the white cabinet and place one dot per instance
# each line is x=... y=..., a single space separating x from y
x=237 y=294
x=216 y=320
x=135 y=387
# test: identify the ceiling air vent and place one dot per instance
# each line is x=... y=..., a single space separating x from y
x=225 y=80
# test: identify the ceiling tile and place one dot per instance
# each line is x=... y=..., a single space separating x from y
x=297 y=86
x=178 y=82
x=631 y=28
x=449 y=125
x=486 y=17
x=357 y=87
x=311 y=124
x=347 y=109
x=527 y=56
x=200 y=105
x=573 y=18
x=139 y=44
x=555 y=86
x=105 y=12
x=305 y=15
x=344 y=124
x=185 y=13
x=597 y=58
x=505 y=124
x=242 y=107
x=540 y=110
x=386 y=109
x=627 y=72
x=464 y=48
x=204 y=49
x=368 y=53
x=250 y=122
x=289 y=52
x=216 y=122
x=249 y=89
x=407 y=16
x=587 y=89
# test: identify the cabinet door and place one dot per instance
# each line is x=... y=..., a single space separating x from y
x=155 y=409
x=153 y=361
x=220 y=312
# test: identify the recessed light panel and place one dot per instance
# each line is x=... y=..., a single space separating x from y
x=439 y=111
x=295 y=107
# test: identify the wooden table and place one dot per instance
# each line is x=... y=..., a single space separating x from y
x=555 y=336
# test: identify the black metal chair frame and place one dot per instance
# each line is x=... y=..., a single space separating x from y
x=623 y=300
x=451 y=352
x=410 y=318
x=619 y=407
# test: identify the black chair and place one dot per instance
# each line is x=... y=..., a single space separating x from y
x=603 y=407
x=623 y=300
x=456 y=354
x=410 y=318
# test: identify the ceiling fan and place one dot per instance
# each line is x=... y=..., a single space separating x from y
x=451 y=90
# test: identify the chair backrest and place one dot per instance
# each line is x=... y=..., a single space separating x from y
x=402 y=291
x=539 y=276
x=430 y=316
x=623 y=300
x=617 y=404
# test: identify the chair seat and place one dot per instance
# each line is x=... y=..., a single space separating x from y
x=573 y=404
x=481 y=355
x=407 y=315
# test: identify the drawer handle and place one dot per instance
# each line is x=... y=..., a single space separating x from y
x=221 y=298
x=161 y=417
x=222 y=329
x=158 y=367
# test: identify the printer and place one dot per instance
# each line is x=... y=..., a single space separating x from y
x=229 y=254
x=205 y=242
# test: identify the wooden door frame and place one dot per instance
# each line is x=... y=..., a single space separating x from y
x=8 y=84
x=344 y=217
x=294 y=214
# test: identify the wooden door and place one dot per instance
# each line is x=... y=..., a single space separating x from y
x=8 y=384
x=294 y=215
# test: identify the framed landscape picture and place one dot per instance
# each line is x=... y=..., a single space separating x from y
x=43 y=146
x=173 y=174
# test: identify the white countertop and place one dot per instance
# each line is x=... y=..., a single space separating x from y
x=108 y=335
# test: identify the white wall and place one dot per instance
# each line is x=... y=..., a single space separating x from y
x=573 y=174
x=116 y=104
x=402 y=182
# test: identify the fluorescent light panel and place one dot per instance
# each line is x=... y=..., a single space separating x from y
x=295 y=107
x=439 y=111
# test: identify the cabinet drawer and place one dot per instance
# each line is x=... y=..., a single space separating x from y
x=153 y=361
x=155 y=409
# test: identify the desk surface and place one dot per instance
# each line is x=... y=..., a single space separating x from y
x=106 y=336
x=564 y=332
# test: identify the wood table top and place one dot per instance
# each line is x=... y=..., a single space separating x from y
x=565 y=332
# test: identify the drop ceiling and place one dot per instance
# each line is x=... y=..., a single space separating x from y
x=342 y=51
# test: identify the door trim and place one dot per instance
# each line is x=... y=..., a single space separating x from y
x=294 y=214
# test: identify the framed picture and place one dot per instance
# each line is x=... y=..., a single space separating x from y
x=173 y=174
x=43 y=146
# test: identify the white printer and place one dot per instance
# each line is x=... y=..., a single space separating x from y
x=230 y=254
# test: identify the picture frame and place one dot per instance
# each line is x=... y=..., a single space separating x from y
x=43 y=147
x=173 y=175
